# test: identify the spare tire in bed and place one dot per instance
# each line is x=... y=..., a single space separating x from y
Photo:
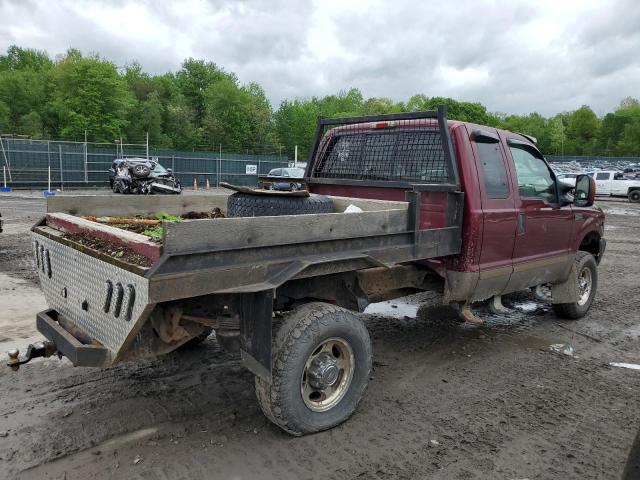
x=246 y=205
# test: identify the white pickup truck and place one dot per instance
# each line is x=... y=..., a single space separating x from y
x=614 y=184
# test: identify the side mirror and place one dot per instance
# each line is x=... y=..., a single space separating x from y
x=585 y=193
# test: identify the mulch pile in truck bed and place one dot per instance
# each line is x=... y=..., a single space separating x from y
x=120 y=252
x=152 y=228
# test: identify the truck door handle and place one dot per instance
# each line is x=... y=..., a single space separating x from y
x=521 y=222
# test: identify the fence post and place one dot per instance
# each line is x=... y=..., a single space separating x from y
x=61 y=174
x=6 y=158
x=86 y=172
x=219 y=166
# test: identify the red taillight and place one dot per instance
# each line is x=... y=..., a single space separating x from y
x=376 y=125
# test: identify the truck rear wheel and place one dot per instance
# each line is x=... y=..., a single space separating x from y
x=634 y=196
x=321 y=366
x=587 y=274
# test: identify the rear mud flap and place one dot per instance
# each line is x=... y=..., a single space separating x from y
x=256 y=312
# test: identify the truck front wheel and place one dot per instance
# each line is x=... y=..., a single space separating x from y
x=587 y=277
x=634 y=196
x=321 y=366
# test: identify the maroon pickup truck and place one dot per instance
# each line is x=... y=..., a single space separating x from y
x=397 y=204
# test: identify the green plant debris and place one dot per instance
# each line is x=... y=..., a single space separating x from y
x=156 y=232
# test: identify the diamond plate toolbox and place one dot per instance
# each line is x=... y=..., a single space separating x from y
x=103 y=300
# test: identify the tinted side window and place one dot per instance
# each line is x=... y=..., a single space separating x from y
x=602 y=176
x=493 y=169
x=534 y=177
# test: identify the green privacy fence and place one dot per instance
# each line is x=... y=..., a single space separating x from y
x=29 y=163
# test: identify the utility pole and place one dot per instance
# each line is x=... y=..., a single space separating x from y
x=295 y=157
x=147 y=145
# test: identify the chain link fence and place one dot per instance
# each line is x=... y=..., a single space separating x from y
x=33 y=163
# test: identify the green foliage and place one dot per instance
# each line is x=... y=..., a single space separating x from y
x=156 y=232
x=167 y=217
x=89 y=95
x=202 y=106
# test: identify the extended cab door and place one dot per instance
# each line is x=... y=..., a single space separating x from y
x=542 y=249
x=498 y=199
x=603 y=183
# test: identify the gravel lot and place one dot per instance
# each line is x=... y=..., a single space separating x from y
x=447 y=401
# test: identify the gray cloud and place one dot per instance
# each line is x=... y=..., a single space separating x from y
x=517 y=56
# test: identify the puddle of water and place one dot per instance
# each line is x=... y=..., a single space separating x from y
x=633 y=330
x=620 y=211
x=527 y=306
x=632 y=366
x=392 y=309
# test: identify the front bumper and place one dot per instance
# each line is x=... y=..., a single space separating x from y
x=79 y=354
x=164 y=188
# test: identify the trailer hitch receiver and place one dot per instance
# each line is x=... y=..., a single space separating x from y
x=35 y=350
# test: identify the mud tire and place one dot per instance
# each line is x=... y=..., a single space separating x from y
x=301 y=332
x=634 y=196
x=246 y=205
x=575 y=310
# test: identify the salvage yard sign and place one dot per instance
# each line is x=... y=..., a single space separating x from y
x=252 y=169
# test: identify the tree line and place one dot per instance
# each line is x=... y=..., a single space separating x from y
x=204 y=107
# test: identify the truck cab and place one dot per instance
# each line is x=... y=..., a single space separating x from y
x=520 y=226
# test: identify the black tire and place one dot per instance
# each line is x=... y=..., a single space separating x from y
x=246 y=205
x=301 y=333
x=197 y=340
x=634 y=196
x=573 y=311
x=140 y=170
x=118 y=187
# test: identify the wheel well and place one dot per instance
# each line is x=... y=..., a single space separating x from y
x=591 y=243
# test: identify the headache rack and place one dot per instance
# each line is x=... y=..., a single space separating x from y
x=402 y=150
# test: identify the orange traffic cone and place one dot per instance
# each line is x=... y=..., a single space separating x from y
x=208 y=186
x=195 y=184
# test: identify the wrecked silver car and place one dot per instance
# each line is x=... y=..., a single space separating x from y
x=142 y=176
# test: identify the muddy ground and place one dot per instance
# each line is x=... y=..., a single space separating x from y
x=446 y=401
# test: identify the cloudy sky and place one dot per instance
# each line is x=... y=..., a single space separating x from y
x=513 y=56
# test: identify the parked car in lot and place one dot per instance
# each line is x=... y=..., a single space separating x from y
x=568 y=178
x=616 y=184
x=465 y=211
x=289 y=179
x=141 y=175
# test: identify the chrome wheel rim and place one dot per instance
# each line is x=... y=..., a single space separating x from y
x=585 y=282
x=327 y=374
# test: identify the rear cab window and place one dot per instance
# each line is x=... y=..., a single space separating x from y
x=602 y=176
x=494 y=170
x=400 y=155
